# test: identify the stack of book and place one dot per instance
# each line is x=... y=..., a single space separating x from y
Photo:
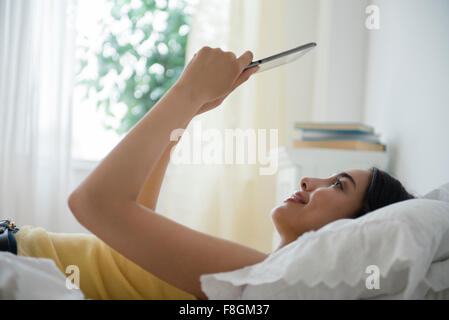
x=349 y=136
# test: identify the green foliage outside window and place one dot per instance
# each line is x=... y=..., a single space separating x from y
x=142 y=55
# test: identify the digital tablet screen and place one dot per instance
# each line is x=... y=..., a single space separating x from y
x=282 y=58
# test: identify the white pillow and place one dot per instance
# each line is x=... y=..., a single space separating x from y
x=441 y=193
x=408 y=242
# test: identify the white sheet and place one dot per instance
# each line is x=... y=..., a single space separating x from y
x=33 y=279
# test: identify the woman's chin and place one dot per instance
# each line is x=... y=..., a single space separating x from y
x=285 y=211
x=277 y=213
x=291 y=206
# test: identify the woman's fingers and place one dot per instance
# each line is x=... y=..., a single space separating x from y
x=242 y=79
x=245 y=60
x=245 y=76
x=213 y=73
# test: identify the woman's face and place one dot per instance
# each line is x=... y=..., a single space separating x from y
x=320 y=202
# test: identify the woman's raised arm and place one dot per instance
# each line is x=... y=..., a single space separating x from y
x=106 y=202
x=119 y=178
x=149 y=194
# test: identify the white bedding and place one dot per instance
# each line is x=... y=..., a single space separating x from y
x=23 y=278
x=411 y=248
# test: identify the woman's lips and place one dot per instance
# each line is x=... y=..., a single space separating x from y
x=295 y=198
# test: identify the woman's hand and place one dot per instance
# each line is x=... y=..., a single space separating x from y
x=242 y=79
x=213 y=74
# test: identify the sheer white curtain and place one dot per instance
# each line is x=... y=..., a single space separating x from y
x=36 y=72
x=233 y=201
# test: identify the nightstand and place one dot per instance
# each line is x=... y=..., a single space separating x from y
x=296 y=163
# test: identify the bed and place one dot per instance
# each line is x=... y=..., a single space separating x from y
x=397 y=252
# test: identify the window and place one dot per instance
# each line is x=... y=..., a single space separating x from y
x=129 y=53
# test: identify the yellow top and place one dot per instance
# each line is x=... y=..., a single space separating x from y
x=104 y=273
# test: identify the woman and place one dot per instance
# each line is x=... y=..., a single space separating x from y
x=117 y=202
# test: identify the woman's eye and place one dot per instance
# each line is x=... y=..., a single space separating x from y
x=338 y=182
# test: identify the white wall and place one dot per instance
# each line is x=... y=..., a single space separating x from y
x=328 y=83
x=300 y=27
x=340 y=69
x=407 y=89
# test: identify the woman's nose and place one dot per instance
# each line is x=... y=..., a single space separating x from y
x=309 y=184
x=305 y=184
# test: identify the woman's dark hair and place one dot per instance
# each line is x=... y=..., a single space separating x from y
x=382 y=191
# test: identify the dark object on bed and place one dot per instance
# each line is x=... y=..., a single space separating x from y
x=7 y=239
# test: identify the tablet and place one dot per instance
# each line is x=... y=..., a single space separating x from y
x=282 y=58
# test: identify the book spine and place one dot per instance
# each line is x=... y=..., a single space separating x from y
x=359 y=127
x=340 y=144
x=365 y=139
